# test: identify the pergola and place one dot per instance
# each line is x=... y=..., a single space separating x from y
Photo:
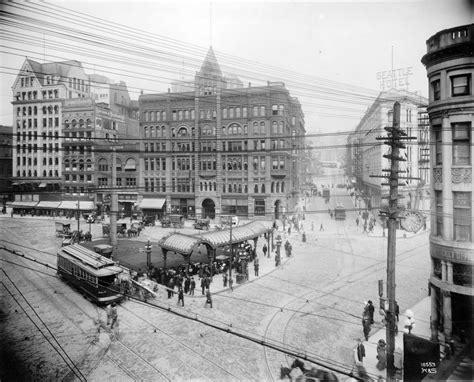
x=186 y=244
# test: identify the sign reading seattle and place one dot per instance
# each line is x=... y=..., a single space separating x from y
x=395 y=78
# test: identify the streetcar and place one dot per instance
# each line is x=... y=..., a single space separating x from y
x=94 y=275
x=340 y=213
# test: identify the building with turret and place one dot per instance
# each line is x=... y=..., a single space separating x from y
x=450 y=69
x=219 y=148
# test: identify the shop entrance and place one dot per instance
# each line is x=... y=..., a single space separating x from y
x=208 y=209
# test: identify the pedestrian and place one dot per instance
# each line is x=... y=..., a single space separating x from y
x=231 y=283
x=113 y=315
x=289 y=229
x=365 y=227
x=11 y=213
x=181 y=296
x=371 y=309
x=366 y=328
x=187 y=283
x=265 y=249
x=203 y=285
x=108 y=311
x=224 y=279
x=397 y=311
x=381 y=355
x=192 y=287
x=409 y=322
x=256 y=266
x=208 y=298
x=321 y=228
x=360 y=351
x=357 y=221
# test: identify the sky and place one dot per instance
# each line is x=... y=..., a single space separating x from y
x=328 y=54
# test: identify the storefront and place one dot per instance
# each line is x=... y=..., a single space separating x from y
x=70 y=208
x=183 y=206
x=47 y=208
x=152 y=207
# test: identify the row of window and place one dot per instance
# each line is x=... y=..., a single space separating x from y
x=33 y=148
x=33 y=123
x=231 y=112
x=78 y=84
x=35 y=173
x=81 y=123
x=460 y=86
x=155 y=184
x=461 y=143
x=33 y=110
x=78 y=178
x=129 y=182
x=24 y=161
x=462 y=215
x=74 y=270
x=33 y=95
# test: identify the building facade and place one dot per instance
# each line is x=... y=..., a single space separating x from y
x=450 y=68
x=222 y=149
x=367 y=153
x=60 y=115
x=6 y=162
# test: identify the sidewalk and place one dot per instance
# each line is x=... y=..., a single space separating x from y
x=421 y=311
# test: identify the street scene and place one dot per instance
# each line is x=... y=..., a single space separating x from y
x=236 y=191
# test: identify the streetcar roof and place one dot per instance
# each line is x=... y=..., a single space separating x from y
x=84 y=256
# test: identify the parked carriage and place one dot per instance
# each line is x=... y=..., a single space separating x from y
x=202 y=224
x=93 y=275
x=175 y=221
x=62 y=230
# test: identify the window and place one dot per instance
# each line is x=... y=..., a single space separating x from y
x=460 y=85
x=438 y=145
x=439 y=212
x=262 y=111
x=274 y=109
x=462 y=216
x=255 y=111
x=436 y=89
x=461 y=140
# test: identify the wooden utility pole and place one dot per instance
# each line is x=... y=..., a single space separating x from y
x=392 y=240
x=113 y=201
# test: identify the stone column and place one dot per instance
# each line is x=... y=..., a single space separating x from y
x=447 y=155
x=448 y=324
x=434 y=313
x=444 y=272
x=449 y=272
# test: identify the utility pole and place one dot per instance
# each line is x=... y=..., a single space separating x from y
x=392 y=212
x=113 y=201
x=78 y=214
x=231 y=249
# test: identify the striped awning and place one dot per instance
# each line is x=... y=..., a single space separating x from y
x=45 y=204
x=24 y=204
x=152 y=204
x=84 y=205
x=180 y=243
x=239 y=233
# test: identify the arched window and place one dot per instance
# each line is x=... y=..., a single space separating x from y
x=277 y=187
x=88 y=123
x=272 y=187
x=224 y=130
x=146 y=116
x=130 y=165
x=88 y=164
x=255 y=189
x=262 y=127
x=81 y=123
x=274 y=127
x=280 y=127
x=230 y=188
x=263 y=188
x=200 y=186
x=103 y=165
x=282 y=186
x=73 y=123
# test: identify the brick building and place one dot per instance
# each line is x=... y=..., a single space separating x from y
x=221 y=148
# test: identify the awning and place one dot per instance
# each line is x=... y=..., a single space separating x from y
x=45 y=204
x=152 y=204
x=84 y=205
x=180 y=243
x=28 y=204
x=130 y=166
x=42 y=185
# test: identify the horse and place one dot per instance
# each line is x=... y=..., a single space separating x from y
x=321 y=375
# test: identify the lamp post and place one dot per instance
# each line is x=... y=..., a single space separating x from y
x=231 y=250
x=78 y=214
x=148 y=248
x=89 y=220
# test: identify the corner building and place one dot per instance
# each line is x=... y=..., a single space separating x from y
x=221 y=148
x=450 y=67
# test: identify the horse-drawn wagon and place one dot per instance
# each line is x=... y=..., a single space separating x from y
x=62 y=230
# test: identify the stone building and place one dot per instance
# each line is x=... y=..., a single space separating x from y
x=221 y=148
x=450 y=68
x=366 y=152
x=6 y=164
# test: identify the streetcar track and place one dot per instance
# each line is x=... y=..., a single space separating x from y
x=336 y=286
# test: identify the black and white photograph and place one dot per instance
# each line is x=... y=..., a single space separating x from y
x=227 y=191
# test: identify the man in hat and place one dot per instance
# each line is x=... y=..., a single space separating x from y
x=360 y=351
x=113 y=315
x=409 y=322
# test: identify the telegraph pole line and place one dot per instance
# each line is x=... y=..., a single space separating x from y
x=113 y=201
x=392 y=212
